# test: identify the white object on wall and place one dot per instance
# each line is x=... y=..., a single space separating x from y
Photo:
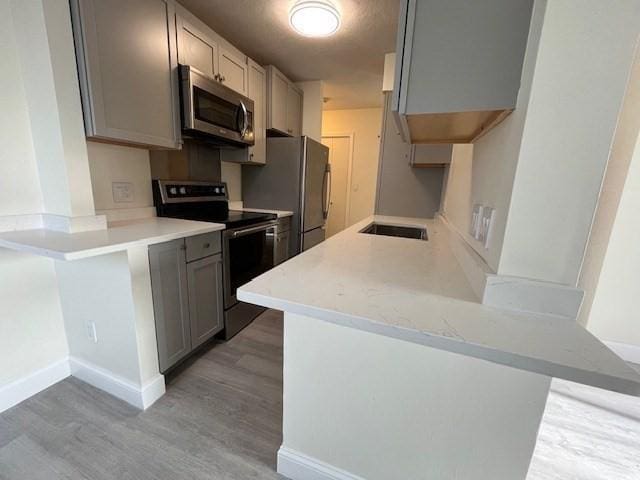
x=122 y=192
x=476 y=221
x=389 y=72
x=486 y=222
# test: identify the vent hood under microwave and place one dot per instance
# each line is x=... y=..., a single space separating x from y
x=458 y=67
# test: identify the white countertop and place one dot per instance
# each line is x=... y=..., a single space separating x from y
x=279 y=213
x=118 y=236
x=416 y=291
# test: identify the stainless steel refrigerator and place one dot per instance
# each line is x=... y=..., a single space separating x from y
x=296 y=177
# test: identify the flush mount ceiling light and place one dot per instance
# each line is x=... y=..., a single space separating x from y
x=314 y=18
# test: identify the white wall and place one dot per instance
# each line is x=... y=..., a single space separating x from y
x=456 y=198
x=365 y=125
x=115 y=163
x=585 y=55
x=614 y=311
x=32 y=332
x=541 y=169
x=609 y=274
x=380 y=408
x=98 y=290
x=48 y=66
x=487 y=170
x=312 y=108
x=232 y=174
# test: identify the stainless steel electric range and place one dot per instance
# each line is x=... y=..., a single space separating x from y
x=248 y=239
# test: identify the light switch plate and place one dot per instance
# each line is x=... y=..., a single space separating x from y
x=486 y=225
x=122 y=192
x=476 y=220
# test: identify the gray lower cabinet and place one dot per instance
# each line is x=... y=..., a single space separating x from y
x=168 y=267
x=127 y=67
x=204 y=280
x=283 y=239
x=187 y=299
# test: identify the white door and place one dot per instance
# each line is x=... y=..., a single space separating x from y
x=339 y=159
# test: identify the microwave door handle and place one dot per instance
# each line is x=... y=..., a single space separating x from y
x=245 y=119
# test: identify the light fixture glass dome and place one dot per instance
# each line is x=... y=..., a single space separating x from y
x=314 y=18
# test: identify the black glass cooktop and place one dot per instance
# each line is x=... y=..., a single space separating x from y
x=236 y=218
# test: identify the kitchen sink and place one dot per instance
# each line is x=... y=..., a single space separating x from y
x=419 y=233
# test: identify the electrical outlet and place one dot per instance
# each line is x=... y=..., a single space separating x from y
x=122 y=192
x=92 y=333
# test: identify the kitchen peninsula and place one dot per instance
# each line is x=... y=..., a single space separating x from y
x=363 y=395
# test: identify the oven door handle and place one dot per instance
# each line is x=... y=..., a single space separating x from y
x=247 y=231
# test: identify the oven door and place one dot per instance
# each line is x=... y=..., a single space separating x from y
x=214 y=110
x=247 y=252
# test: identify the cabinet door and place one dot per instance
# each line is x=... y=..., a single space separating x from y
x=170 y=301
x=282 y=247
x=233 y=71
x=196 y=49
x=204 y=278
x=294 y=111
x=126 y=53
x=426 y=155
x=278 y=93
x=258 y=93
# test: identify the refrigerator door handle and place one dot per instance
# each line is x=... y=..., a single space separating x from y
x=326 y=192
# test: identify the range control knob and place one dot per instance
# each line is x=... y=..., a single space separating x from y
x=183 y=191
x=173 y=190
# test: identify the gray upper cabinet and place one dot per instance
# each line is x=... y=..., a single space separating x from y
x=257 y=91
x=284 y=104
x=196 y=49
x=168 y=268
x=233 y=71
x=127 y=66
x=431 y=155
x=201 y=48
x=458 y=67
x=204 y=278
x=294 y=111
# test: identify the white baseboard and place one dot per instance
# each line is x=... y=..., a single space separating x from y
x=629 y=353
x=140 y=397
x=298 y=466
x=15 y=392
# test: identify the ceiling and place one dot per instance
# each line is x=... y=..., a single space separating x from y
x=350 y=62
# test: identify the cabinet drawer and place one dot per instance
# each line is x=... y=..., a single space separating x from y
x=200 y=246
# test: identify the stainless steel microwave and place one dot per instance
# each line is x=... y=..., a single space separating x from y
x=212 y=111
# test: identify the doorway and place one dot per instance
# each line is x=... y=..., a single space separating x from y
x=340 y=159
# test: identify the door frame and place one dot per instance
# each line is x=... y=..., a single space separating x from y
x=350 y=136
